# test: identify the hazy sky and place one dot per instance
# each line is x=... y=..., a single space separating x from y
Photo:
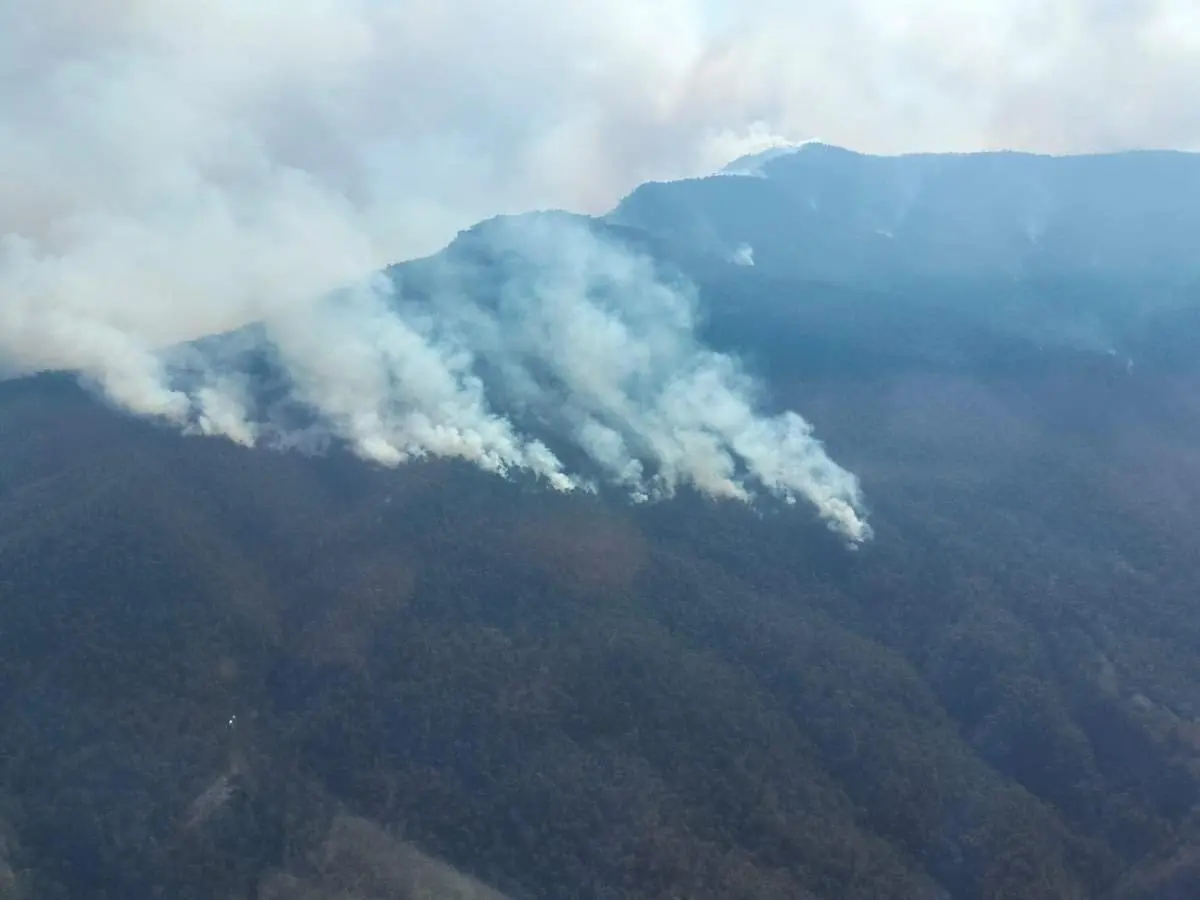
x=168 y=167
x=425 y=115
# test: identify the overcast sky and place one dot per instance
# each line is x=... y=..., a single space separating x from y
x=169 y=164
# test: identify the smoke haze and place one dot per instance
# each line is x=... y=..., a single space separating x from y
x=557 y=330
x=176 y=168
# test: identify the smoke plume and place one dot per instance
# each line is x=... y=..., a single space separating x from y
x=171 y=169
x=542 y=325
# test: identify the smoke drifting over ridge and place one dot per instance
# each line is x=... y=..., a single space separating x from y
x=559 y=331
x=175 y=168
x=180 y=169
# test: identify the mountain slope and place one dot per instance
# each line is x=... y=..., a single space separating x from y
x=827 y=214
x=210 y=656
x=447 y=652
x=952 y=255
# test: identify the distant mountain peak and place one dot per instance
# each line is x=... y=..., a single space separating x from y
x=752 y=164
x=822 y=213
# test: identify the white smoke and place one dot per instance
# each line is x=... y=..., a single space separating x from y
x=743 y=255
x=387 y=387
x=554 y=328
x=174 y=168
x=590 y=337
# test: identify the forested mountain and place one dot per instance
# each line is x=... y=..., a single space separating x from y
x=828 y=214
x=234 y=672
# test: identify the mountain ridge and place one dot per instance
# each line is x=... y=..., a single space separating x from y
x=1001 y=214
x=568 y=694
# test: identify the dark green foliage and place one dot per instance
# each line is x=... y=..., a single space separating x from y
x=208 y=655
x=566 y=697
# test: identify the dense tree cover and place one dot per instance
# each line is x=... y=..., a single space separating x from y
x=567 y=696
x=830 y=215
x=233 y=673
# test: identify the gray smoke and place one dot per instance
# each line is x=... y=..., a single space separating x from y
x=570 y=334
x=176 y=168
x=600 y=346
